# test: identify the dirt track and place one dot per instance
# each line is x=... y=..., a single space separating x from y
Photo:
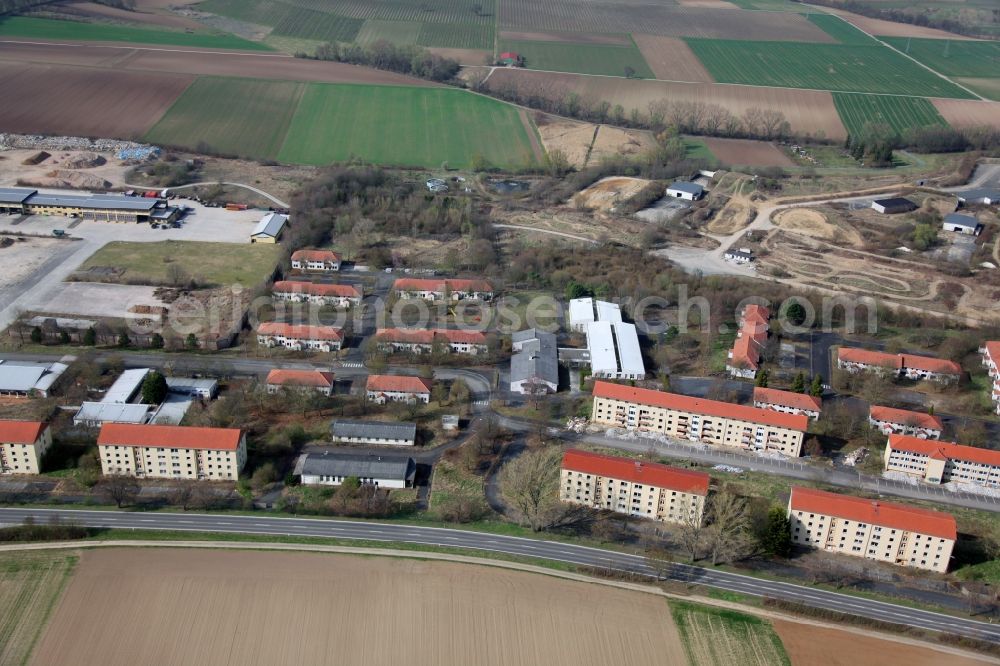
x=245 y=608
x=199 y=62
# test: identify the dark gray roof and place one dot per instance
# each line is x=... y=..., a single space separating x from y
x=377 y=467
x=538 y=358
x=980 y=193
x=895 y=202
x=684 y=186
x=15 y=194
x=739 y=253
x=373 y=429
x=961 y=220
x=100 y=201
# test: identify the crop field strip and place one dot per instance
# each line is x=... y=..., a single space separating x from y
x=231 y=116
x=287 y=20
x=841 y=30
x=40 y=28
x=834 y=67
x=657 y=19
x=719 y=636
x=900 y=113
x=600 y=59
x=405 y=127
x=456 y=36
x=423 y=11
x=30 y=586
x=952 y=57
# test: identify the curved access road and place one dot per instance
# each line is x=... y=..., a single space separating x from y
x=498 y=543
x=270 y=197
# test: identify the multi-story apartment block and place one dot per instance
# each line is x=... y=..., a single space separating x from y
x=22 y=445
x=300 y=380
x=787 y=402
x=872 y=529
x=904 y=422
x=743 y=360
x=991 y=361
x=172 y=452
x=909 y=366
x=316 y=260
x=634 y=487
x=424 y=341
x=300 y=337
x=338 y=295
x=941 y=462
x=398 y=388
x=698 y=419
x=440 y=289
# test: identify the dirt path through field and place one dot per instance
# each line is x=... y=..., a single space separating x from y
x=537 y=149
x=169 y=606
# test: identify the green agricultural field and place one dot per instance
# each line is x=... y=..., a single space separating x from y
x=394 y=32
x=404 y=126
x=836 y=67
x=456 y=35
x=899 y=113
x=720 y=636
x=839 y=29
x=230 y=116
x=210 y=264
x=952 y=57
x=580 y=58
x=30 y=586
x=288 y=20
x=38 y=28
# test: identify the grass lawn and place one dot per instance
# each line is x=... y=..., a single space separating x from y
x=404 y=126
x=695 y=149
x=580 y=58
x=39 y=28
x=230 y=116
x=210 y=263
x=836 y=67
x=719 y=636
x=952 y=58
x=30 y=585
x=899 y=113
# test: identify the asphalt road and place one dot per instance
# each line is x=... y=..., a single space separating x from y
x=496 y=543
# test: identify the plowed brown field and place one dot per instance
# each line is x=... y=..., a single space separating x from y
x=83 y=101
x=94 y=10
x=809 y=111
x=261 y=66
x=968 y=112
x=241 y=608
x=659 y=19
x=748 y=153
x=874 y=26
x=671 y=58
x=810 y=645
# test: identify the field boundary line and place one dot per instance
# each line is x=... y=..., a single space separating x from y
x=490 y=562
x=145 y=47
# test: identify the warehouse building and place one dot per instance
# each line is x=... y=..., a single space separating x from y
x=872 y=529
x=332 y=469
x=95 y=414
x=97 y=207
x=269 y=229
x=637 y=488
x=685 y=190
x=961 y=224
x=698 y=420
x=379 y=433
x=22 y=445
x=893 y=206
x=172 y=452
x=613 y=350
x=23 y=379
x=942 y=462
x=534 y=365
x=982 y=196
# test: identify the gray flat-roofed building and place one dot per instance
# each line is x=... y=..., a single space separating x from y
x=127 y=386
x=534 y=366
x=331 y=469
x=980 y=195
x=201 y=388
x=93 y=414
x=962 y=224
x=893 y=205
x=385 y=433
x=12 y=199
x=92 y=201
x=685 y=190
x=22 y=379
x=101 y=207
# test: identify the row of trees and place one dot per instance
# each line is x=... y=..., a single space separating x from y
x=406 y=59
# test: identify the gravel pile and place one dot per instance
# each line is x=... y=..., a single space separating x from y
x=30 y=141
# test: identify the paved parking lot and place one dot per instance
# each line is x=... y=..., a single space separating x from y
x=22 y=292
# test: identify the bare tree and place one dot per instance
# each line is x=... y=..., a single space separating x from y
x=691 y=534
x=727 y=534
x=530 y=485
x=120 y=489
x=183 y=495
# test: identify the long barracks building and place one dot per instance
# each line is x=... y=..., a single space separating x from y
x=697 y=419
x=941 y=462
x=97 y=207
